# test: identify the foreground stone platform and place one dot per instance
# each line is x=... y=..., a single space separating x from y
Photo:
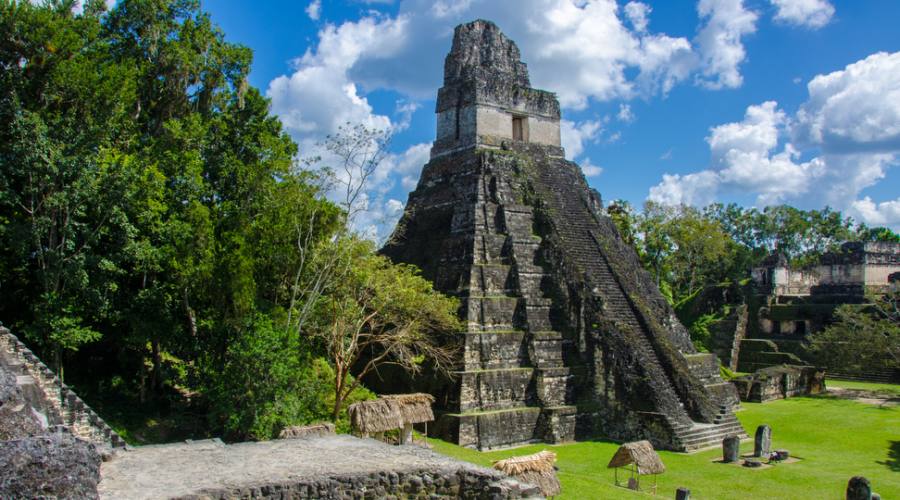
x=323 y=467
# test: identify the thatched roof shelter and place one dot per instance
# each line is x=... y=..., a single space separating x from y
x=377 y=415
x=536 y=469
x=414 y=408
x=639 y=453
x=303 y=431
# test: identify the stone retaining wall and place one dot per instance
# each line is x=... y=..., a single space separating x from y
x=412 y=484
x=780 y=382
x=336 y=466
x=47 y=394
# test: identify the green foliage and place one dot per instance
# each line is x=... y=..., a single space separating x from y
x=726 y=373
x=700 y=334
x=381 y=314
x=687 y=249
x=862 y=338
x=271 y=381
x=153 y=217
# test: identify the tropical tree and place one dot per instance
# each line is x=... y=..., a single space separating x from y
x=862 y=337
x=383 y=314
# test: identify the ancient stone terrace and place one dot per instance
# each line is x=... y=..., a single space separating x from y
x=320 y=467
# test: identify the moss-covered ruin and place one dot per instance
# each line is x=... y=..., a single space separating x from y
x=567 y=337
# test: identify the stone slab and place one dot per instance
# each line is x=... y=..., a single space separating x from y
x=301 y=466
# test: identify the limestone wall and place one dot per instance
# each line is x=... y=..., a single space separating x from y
x=852 y=269
x=779 y=382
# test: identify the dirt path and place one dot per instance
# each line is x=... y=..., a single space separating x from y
x=864 y=396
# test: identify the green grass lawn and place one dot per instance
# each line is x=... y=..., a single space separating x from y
x=836 y=439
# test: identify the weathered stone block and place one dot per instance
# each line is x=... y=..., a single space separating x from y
x=731 y=449
x=51 y=465
x=859 y=488
x=762 y=441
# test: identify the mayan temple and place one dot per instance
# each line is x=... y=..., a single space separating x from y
x=567 y=337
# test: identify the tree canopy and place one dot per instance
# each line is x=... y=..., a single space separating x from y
x=159 y=234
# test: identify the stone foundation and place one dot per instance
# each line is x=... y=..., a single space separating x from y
x=780 y=382
x=316 y=467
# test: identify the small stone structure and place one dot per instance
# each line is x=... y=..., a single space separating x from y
x=779 y=382
x=788 y=304
x=731 y=449
x=339 y=466
x=762 y=441
x=853 y=270
x=566 y=335
x=305 y=431
x=859 y=488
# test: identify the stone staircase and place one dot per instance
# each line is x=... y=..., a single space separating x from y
x=696 y=436
x=514 y=385
x=577 y=230
x=49 y=395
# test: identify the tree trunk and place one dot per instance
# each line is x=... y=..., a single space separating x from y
x=157 y=366
x=338 y=399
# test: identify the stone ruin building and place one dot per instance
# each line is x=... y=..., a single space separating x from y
x=566 y=337
x=787 y=304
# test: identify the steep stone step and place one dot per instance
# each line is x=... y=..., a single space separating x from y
x=575 y=229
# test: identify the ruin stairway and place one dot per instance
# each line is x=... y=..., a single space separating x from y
x=576 y=229
x=576 y=226
x=62 y=405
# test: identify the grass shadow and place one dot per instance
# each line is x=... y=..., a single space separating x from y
x=893 y=461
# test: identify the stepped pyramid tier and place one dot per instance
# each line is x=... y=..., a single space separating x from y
x=567 y=337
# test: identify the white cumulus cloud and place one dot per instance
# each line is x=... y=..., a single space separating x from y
x=625 y=114
x=719 y=41
x=637 y=14
x=589 y=169
x=575 y=135
x=849 y=128
x=809 y=13
x=854 y=109
x=744 y=160
x=886 y=213
x=314 y=9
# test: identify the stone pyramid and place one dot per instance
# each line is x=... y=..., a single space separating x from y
x=567 y=337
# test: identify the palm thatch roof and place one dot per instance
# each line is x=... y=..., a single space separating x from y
x=377 y=415
x=414 y=408
x=641 y=454
x=302 y=431
x=536 y=469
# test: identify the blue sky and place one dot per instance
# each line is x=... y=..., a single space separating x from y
x=680 y=101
